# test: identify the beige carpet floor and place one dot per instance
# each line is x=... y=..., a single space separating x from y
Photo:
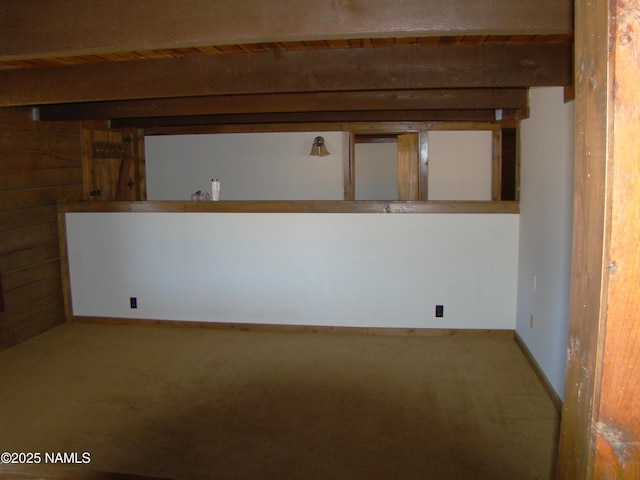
x=211 y=404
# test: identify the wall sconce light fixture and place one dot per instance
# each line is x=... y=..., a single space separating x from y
x=318 y=148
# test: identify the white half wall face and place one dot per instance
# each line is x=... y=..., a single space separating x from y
x=362 y=270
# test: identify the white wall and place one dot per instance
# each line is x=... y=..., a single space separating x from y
x=376 y=168
x=250 y=166
x=460 y=165
x=546 y=206
x=367 y=270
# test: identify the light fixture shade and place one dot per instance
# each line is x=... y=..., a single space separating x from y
x=318 y=148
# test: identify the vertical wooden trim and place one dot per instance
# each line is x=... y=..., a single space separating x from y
x=423 y=158
x=141 y=167
x=496 y=165
x=124 y=177
x=64 y=264
x=350 y=167
x=408 y=167
x=518 y=156
x=87 y=162
x=569 y=93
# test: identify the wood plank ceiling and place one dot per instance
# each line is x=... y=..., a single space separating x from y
x=466 y=64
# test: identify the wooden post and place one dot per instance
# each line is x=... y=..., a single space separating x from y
x=600 y=432
x=408 y=167
x=496 y=165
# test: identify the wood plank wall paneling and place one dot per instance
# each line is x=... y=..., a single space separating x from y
x=40 y=164
x=1 y=295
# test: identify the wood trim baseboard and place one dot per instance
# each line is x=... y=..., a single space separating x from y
x=268 y=327
x=555 y=398
x=64 y=265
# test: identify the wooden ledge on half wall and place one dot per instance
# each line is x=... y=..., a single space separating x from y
x=295 y=206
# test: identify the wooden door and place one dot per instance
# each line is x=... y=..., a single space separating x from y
x=113 y=164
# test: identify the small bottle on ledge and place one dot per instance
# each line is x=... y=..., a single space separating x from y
x=215 y=189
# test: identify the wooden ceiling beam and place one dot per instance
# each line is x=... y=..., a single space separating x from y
x=430 y=99
x=35 y=29
x=476 y=115
x=385 y=68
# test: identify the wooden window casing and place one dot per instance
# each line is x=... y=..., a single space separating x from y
x=413 y=159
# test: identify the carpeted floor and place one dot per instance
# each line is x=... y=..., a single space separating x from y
x=212 y=404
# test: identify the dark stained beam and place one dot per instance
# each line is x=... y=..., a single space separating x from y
x=54 y=28
x=247 y=128
x=402 y=126
x=489 y=65
x=431 y=99
x=316 y=117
